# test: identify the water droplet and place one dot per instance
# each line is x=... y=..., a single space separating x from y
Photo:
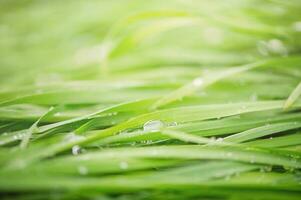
x=76 y=150
x=172 y=124
x=276 y=46
x=18 y=136
x=123 y=165
x=267 y=168
x=253 y=97
x=229 y=154
x=112 y=114
x=219 y=139
x=289 y=169
x=252 y=159
x=153 y=125
x=58 y=114
x=197 y=82
x=273 y=46
x=82 y=170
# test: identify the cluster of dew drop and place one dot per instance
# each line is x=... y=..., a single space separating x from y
x=19 y=136
x=267 y=168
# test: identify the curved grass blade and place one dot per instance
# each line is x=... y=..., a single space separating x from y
x=293 y=97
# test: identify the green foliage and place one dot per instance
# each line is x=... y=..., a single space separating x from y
x=150 y=99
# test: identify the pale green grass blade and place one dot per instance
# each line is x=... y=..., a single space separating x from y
x=293 y=97
x=262 y=131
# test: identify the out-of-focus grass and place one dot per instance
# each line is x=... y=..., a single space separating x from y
x=150 y=99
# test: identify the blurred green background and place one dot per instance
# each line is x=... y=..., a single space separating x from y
x=42 y=41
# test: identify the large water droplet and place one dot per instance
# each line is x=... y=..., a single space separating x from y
x=153 y=125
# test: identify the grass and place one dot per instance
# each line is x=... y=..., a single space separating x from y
x=150 y=100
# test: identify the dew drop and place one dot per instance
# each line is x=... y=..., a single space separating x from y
x=82 y=170
x=229 y=154
x=58 y=114
x=273 y=46
x=153 y=125
x=276 y=46
x=76 y=150
x=123 y=165
x=219 y=140
x=112 y=114
x=289 y=169
x=253 y=97
x=18 y=136
x=197 y=82
x=172 y=124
